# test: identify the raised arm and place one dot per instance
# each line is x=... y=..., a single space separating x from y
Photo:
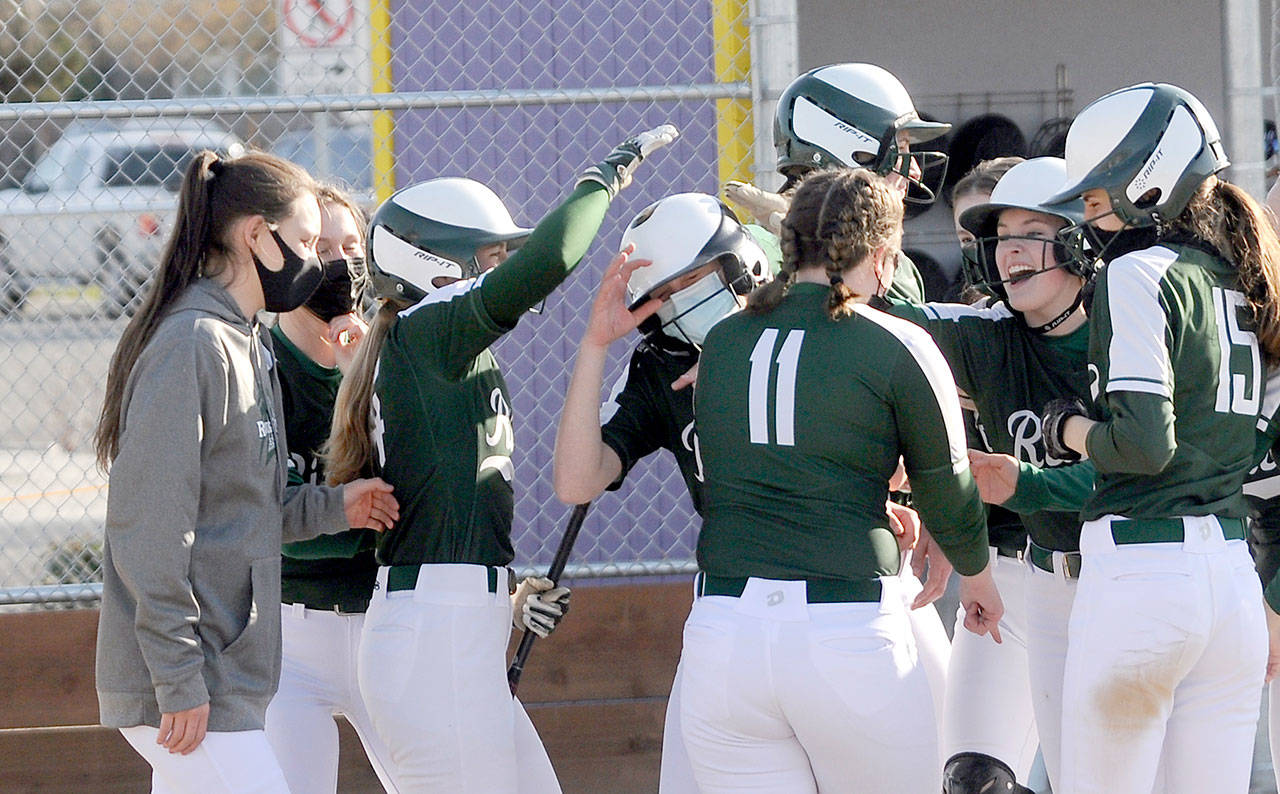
x=584 y=465
x=561 y=239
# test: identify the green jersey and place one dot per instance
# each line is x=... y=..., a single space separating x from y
x=442 y=416
x=1177 y=386
x=1010 y=372
x=801 y=421
x=330 y=570
x=644 y=414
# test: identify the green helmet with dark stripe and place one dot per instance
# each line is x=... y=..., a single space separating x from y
x=846 y=114
x=1149 y=146
x=432 y=230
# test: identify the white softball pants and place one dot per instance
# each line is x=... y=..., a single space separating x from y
x=1048 y=612
x=779 y=695
x=226 y=762
x=1167 y=648
x=1273 y=726
x=318 y=681
x=933 y=648
x=433 y=673
x=988 y=696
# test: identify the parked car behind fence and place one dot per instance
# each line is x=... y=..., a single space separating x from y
x=92 y=216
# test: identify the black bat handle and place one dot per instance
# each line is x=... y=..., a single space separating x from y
x=554 y=573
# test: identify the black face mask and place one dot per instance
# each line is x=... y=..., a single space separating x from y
x=1111 y=245
x=337 y=294
x=289 y=287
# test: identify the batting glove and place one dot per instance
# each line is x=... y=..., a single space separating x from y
x=1053 y=420
x=538 y=604
x=614 y=172
x=762 y=204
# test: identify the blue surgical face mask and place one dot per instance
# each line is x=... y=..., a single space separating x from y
x=690 y=313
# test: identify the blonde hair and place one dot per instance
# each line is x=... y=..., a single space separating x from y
x=838 y=217
x=349 y=449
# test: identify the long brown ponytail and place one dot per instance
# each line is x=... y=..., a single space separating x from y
x=215 y=193
x=1235 y=224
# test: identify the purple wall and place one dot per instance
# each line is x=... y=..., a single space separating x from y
x=531 y=155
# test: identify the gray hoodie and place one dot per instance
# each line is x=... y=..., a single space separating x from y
x=196 y=511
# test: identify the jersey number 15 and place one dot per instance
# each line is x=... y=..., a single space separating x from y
x=1238 y=393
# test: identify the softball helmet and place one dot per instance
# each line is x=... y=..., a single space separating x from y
x=431 y=230
x=1029 y=185
x=681 y=234
x=1149 y=146
x=850 y=114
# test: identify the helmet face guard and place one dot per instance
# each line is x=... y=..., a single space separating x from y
x=1067 y=252
x=1027 y=186
x=924 y=171
x=683 y=235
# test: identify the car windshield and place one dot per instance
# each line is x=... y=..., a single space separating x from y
x=147 y=165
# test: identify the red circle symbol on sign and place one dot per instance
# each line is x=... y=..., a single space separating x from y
x=317 y=23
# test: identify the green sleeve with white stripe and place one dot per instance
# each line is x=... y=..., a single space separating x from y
x=933 y=452
x=951 y=337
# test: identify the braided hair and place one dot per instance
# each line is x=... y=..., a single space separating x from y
x=838 y=217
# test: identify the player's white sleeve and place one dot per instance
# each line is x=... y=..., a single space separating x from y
x=1138 y=359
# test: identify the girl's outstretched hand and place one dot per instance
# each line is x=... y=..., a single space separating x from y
x=370 y=505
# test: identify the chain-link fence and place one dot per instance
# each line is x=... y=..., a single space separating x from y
x=105 y=101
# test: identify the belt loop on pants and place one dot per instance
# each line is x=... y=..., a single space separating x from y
x=1064 y=563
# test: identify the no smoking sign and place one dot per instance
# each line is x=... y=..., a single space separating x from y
x=320 y=23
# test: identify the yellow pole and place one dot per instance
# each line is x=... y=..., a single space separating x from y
x=734 y=130
x=384 y=158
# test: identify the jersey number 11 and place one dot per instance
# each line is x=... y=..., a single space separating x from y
x=785 y=392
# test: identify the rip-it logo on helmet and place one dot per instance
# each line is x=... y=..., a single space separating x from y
x=428 y=235
x=1178 y=147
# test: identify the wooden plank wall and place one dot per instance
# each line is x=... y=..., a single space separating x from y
x=596 y=690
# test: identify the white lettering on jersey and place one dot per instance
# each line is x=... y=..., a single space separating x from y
x=377 y=428
x=501 y=464
x=503 y=434
x=1095 y=378
x=306 y=469
x=982 y=433
x=1024 y=429
x=502 y=437
x=689 y=438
